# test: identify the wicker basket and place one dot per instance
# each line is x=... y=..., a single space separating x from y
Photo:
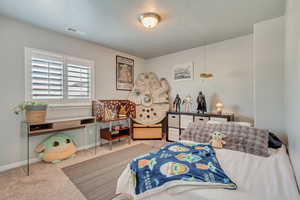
x=36 y=114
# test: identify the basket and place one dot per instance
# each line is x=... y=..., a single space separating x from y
x=36 y=114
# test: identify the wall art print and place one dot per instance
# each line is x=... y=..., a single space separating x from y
x=183 y=72
x=124 y=73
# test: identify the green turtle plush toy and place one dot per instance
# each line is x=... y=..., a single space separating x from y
x=56 y=148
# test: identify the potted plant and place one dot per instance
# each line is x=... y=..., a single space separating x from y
x=36 y=112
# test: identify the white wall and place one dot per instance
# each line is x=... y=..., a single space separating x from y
x=292 y=82
x=14 y=36
x=231 y=63
x=268 y=65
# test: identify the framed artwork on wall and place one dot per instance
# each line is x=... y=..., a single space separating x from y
x=183 y=72
x=124 y=73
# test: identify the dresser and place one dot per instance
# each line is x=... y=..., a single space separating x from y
x=177 y=122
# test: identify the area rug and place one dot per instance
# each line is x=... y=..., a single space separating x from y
x=97 y=178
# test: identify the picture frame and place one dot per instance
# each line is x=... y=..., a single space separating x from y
x=124 y=73
x=183 y=72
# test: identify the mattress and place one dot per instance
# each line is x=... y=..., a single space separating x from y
x=257 y=178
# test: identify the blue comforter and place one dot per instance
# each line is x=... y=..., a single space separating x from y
x=178 y=162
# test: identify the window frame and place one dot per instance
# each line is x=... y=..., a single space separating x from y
x=65 y=101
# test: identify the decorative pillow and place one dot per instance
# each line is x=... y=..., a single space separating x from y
x=239 y=138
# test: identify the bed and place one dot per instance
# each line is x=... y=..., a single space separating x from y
x=257 y=177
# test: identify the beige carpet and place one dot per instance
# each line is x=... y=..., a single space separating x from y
x=97 y=178
x=48 y=181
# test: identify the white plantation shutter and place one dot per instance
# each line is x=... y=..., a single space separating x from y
x=78 y=79
x=46 y=76
x=58 y=78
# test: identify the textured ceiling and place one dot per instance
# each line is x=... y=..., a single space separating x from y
x=113 y=23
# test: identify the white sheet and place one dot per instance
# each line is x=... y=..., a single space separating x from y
x=257 y=178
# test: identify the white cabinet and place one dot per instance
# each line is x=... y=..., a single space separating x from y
x=177 y=122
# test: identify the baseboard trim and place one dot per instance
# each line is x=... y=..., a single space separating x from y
x=35 y=160
x=18 y=164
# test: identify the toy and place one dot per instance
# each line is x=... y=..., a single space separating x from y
x=201 y=103
x=56 y=148
x=176 y=103
x=151 y=96
x=217 y=140
x=188 y=102
x=122 y=111
x=106 y=110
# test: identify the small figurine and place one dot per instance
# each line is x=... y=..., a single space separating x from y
x=122 y=111
x=108 y=114
x=217 y=140
x=177 y=103
x=201 y=103
x=188 y=102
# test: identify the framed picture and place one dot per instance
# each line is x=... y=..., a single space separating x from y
x=124 y=73
x=183 y=72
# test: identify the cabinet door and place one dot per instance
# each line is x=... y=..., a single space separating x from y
x=200 y=118
x=185 y=120
x=173 y=120
x=173 y=134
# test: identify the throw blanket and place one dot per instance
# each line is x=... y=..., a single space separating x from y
x=177 y=163
x=238 y=138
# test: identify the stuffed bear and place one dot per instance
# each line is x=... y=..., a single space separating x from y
x=217 y=140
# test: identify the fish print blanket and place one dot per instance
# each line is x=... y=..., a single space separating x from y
x=177 y=163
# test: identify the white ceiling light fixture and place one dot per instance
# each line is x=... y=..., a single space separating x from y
x=149 y=20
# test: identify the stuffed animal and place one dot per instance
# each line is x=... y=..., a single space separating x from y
x=56 y=148
x=217 y=140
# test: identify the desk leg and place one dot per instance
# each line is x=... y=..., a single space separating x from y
x=96 y=139
x=130 y=130
x=28 y=172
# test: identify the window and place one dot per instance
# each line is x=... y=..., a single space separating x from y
x=56 y=78
x=78 y=80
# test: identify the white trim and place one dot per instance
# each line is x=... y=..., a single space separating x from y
x=26 y=74
x=35 y=160
x=18 y=164
x=88 y=104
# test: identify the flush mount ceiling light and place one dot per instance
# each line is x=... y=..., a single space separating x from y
x=149 y=20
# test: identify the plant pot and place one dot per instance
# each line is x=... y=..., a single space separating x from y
x=36 y=114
